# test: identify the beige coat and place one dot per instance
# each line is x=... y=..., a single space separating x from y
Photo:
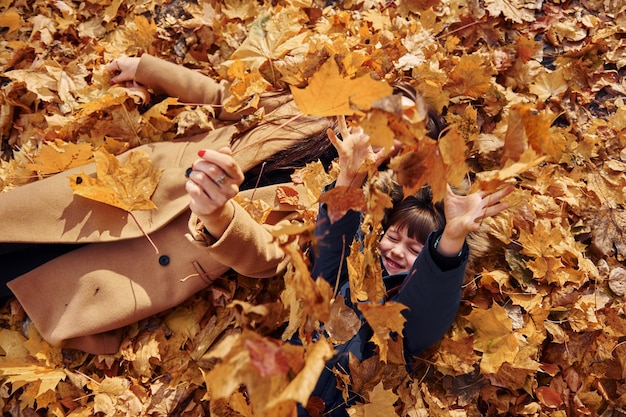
x=83 y=298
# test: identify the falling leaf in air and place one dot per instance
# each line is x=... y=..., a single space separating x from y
x=344 y=322
x=329 y=94
x=340 y=200
x=385 y=319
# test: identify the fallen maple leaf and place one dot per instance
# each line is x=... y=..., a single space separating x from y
x=128 y=187
x=58 y=156
x=471 y=77
x=10 y=20
x=384 y=320
x=268 y=40
x=380 y=403
x=19 y=374
x=329 y=94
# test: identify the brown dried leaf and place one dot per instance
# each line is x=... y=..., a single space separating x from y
x=343 y=323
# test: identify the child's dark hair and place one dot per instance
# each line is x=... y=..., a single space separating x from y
x=418 y=215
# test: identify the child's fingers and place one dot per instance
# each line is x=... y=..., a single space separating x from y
x=343 y=126
x=333 y=139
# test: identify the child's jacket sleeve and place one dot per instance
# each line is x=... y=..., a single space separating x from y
x=432 y=297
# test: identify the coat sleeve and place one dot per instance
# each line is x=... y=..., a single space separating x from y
x=246 y=246
x=433 y=297
x=175 y=80
x=333 y=244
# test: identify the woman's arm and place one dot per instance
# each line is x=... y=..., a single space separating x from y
x=229 y=233
x=167 y=78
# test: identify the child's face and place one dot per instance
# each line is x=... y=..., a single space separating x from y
x=398 y=251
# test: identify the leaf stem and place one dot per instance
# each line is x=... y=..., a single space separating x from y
x=144 y=232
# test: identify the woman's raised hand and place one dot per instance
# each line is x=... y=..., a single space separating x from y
x=353 y=149
x=125 y=67
x=214 y=179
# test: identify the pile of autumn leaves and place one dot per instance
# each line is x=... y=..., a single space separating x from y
x=541 y=328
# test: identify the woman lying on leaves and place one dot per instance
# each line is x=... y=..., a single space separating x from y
x=423 y=253
x=82 y=270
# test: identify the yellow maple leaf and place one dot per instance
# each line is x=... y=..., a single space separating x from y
x=329 y=94
x=58 y=156
x=127 y=186
x=19 y=374
x=381 y=403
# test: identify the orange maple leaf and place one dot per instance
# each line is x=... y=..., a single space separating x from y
x=421 y=165
x=341 y=199
x=329 y=94
x=528 y=128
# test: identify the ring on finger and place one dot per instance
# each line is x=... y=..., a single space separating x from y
x=219 y=180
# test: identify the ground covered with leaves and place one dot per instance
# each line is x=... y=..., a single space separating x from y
x=534 y=90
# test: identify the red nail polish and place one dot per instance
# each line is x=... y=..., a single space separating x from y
x=201 y=153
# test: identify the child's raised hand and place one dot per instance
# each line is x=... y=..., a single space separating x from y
x=353 y=149
x=465 y=213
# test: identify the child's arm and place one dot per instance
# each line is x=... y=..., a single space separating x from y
x=334 y=239
x=432 y=293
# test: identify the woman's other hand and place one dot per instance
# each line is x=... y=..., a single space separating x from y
x=125 y=68
x=214 y=179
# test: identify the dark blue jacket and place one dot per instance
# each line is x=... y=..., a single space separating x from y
x=431 y=290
